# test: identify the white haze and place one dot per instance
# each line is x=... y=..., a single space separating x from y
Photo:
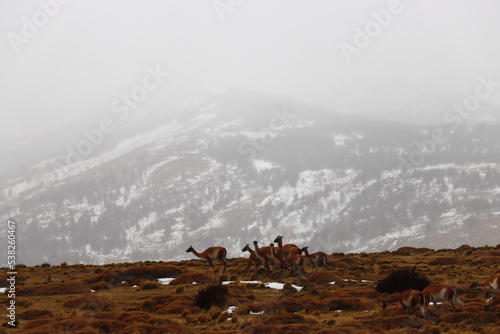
x=428 y=58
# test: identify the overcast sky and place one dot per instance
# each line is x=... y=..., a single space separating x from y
x=426 y=56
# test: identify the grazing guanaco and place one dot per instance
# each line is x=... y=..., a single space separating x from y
x=289 y=248
x=278 y=257
x=210 y=254
x=316 y=258
x=263 y=254
x=409 y=299
x=440 y=292
x=492 y=283
x=252 y=258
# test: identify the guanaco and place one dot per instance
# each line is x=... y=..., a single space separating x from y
x=210 y=254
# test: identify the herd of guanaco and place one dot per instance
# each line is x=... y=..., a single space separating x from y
x=289 y=257
x=412 y=300
x=286 y=257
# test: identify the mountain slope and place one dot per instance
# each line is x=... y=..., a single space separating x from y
x=230 y=167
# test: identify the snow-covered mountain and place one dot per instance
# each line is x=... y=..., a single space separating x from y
x=227 y=167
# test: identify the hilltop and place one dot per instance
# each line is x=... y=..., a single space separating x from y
x=128 y=298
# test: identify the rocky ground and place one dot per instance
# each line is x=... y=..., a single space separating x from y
x=129 y=298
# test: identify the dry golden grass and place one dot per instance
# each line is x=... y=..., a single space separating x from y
x=127 y=298
x=77 y=287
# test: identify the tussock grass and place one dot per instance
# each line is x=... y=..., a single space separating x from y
x=322 y=277
x=190 y=277
x=67 y=288
x=47 y=303
x=90 y=302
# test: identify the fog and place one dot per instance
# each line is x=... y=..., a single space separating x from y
x=131 y=129
x=421 y=59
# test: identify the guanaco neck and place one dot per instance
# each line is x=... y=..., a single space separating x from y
x=273 y=251
x=257 y=249
x=280 y=243
x=196 y=253
x=251 y=251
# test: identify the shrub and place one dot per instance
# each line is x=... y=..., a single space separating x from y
x=168 y=304
x=145 y=328
x=288 y=304
x=153 y=302
x=443 y=261
x=135 y=316
x=110 y=277
x=358 y=304
x=401 y=280
x=35 y=314
x=190 y=277
x=150 y=286
x=150 y=272
x=4 y=277
x=486 y=261
x=133 y=273
x=287 y=318
x=95 y=303
x=212 y=295
x=100 y=286
x=322 y=277
x=77 y=287
x=400 y=321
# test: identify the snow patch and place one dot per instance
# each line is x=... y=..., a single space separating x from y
x=262 y=165
x=165 y=281
x=279 y=286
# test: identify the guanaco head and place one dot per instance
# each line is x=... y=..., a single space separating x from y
x=488 y=306
x=246 y=248
x=279 y=237
x=255 y=243
x=303 y=249
x=473 y=285
x=190 y=249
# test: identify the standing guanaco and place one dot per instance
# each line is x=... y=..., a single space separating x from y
x=210 y=254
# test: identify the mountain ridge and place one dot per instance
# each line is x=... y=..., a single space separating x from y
x=219 y=173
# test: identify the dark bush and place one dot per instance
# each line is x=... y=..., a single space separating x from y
x=401 y=280
x=212 y=295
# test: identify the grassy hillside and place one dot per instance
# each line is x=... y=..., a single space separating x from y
x=127 y=297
